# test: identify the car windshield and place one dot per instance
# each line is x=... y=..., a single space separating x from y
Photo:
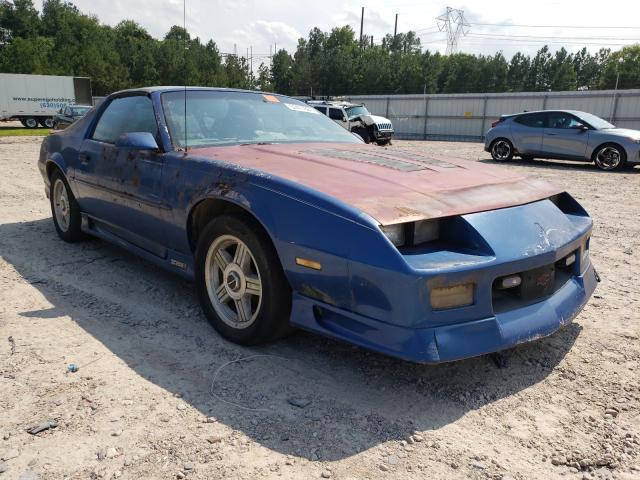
x=227 y=118
x=356 y=111
x=596 y=122
x=78 y=111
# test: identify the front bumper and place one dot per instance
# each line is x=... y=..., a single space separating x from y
x=449 y=342
x=384 y=135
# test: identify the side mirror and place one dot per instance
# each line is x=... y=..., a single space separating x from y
x=137 y=141
x=345 y=119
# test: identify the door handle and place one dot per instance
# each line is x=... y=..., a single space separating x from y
x=84 y=158
x=552 y=134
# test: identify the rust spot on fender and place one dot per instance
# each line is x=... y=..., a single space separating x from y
x=224 y=188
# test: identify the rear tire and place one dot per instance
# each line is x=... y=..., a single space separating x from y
x=609 y=157
x=501 y=150
x=65 y=209
x=47 y=122
x=240 y=282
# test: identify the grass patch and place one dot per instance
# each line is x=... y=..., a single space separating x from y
x=21 y=132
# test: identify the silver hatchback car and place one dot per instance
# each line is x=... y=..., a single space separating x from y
x=564 y=135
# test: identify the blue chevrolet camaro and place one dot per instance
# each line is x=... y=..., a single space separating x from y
x=283 y=219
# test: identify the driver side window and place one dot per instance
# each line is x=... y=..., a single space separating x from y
x=562 y=120
x=126 y=115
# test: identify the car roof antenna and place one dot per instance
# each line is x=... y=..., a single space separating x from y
x=184 y=39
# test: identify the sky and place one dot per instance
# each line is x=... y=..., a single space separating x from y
x=494 y=25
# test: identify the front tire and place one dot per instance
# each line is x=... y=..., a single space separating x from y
x=64 y=209
x=30 y=122
x=240 y=282
x=501 y=150
x=610 y=157
x=364 y=134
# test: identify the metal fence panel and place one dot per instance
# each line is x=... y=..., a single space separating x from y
x=407 y=107
x=469 y=116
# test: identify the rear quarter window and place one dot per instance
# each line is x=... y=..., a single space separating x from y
x=335 y=114
x=535 y=120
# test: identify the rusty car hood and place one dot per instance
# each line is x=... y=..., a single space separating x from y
x=391 y=185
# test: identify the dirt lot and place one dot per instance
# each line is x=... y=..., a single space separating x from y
x=143 y=404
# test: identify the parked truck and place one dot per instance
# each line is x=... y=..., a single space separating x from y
x=35 y=99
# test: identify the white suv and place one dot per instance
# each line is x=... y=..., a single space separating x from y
x=357 y=119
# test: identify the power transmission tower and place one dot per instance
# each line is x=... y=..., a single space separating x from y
x=454 y=24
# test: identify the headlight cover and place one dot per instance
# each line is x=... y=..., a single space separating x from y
x=412 y=233
x=395 y=233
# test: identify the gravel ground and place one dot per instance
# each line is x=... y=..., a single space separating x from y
x=144 y=403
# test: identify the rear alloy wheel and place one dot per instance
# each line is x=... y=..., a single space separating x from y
x=502 y=150
x=64 y=209
x=30 y=122
x=240 y=282
x=610 y=157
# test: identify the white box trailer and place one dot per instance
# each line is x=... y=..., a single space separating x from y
x=35 y=99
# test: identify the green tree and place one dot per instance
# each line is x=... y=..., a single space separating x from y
x=538 y=78
x=518 y=72
x=21 y=18
x=137 y=51
x=626 y=63
x=562 y=74
x=263 y=82
x=26 y=56
x=282 y=72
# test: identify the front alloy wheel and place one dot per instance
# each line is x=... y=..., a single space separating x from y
x=233 y=281
x=240 y=282
x=610 y=157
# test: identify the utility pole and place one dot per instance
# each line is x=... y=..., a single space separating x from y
x=251 y=58
x=454 y=23
x=615 y=90
x=361 y=25
x=371 y=41
x=395 y=29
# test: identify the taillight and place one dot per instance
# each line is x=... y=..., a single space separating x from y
x=493 y=125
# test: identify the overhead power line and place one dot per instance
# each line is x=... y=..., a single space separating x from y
x=552 y=37
x=551 y=26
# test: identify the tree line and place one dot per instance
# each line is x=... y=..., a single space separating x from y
x=61 y=40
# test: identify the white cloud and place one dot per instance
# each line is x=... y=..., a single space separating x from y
x=261 y=24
